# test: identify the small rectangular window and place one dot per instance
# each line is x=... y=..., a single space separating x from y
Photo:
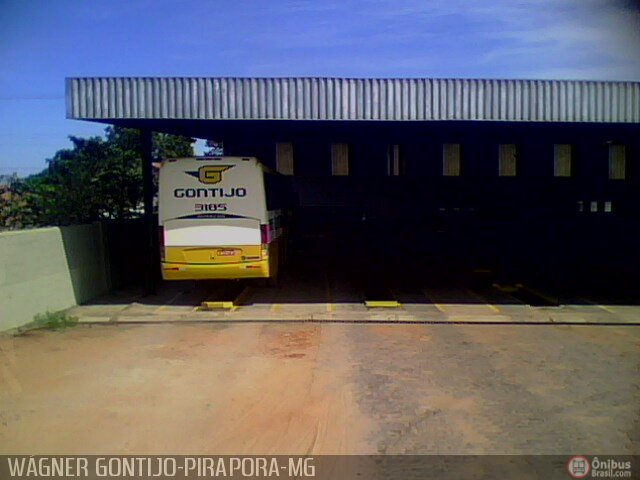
x=451 y=159
x=284 y=158
x=562 y=160
x=507 y=160
x=340 y=159
x=617 y=162
x=394 y=162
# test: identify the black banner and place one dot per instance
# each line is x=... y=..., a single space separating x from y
x=360 y=467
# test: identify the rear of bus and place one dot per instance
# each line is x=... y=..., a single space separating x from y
x=213 y=219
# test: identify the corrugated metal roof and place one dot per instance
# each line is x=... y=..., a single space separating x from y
x=352 y=99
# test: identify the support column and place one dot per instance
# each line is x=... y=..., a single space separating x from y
x=151 y=228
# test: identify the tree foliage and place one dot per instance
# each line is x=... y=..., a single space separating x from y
x=16 y=204
x=98 y=178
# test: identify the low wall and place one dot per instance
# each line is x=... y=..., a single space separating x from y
x=50 y=269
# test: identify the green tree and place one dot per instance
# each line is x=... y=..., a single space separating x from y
x=172 y=146
x=164 y=144
x=98 y=178
x=71 y=190
x=16 y=205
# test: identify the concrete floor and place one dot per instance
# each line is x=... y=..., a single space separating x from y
x=320 y=388
x=318 y=298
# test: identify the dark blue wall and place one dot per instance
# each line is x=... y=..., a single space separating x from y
x=527 y=227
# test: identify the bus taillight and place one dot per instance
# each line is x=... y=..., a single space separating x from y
x=265 y=234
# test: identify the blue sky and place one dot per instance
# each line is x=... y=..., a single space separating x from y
x=44 y=41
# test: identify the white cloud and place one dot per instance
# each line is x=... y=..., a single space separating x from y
x=591 y=39
x=594 y=38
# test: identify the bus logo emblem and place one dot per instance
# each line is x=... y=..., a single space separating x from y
x=210 y=174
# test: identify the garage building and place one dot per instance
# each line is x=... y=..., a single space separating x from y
x=536 y=180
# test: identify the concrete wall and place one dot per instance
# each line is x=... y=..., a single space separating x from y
x=50 y=269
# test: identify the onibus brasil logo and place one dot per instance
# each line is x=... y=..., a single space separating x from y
x=579 y=467
x=210 y=174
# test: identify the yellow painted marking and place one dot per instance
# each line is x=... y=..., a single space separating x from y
x=330 y=307
x=507 y=288
x=478 y=318
x=603 y=307
x=540 y=294
x=217 y=305
x=606 y=309
x=475 y=295
x=276 y=307
x=440 y=307
x=382 y=303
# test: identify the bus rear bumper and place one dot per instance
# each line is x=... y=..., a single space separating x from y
x=185 y=271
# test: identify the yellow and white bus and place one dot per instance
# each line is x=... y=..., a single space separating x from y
x=221 y=218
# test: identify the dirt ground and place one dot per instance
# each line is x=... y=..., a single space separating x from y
x=321 y=388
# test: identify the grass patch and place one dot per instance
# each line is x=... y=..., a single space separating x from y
x=54 y=320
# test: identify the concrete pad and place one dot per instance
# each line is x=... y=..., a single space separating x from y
x=140 y=309
x=464 y=309
x=299 y=308
x=575 y=317
x=174 y=310
x=479 y=318
x=95 y=319
x=287 y=303
x=82 y=311
x=421 y=307
x=349 y=307
x=384 y=316
x=142 y=319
